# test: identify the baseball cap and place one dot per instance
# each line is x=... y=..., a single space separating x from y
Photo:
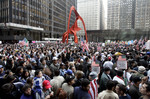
x=1 y=66
x=69 y=72
x=109 y=58
x=46 y=84
x=148 y=53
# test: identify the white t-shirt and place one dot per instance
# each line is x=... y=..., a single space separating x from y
x=118 y=80
x=128 y=75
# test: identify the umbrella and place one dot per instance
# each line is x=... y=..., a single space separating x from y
x=118 y=54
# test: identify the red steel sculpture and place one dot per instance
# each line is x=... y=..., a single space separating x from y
x=74 y=28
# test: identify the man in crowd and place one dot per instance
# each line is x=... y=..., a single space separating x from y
x=82 y=91
x=108 y=94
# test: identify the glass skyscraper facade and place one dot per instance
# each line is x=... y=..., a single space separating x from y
x=113 y=14
x=128 y=14
x=34 y=19
x=120 y=14
x=89 y=10
x=142 y=14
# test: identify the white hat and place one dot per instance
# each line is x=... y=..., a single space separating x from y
x=55 y=58
x=81 y=60
x=141 y=69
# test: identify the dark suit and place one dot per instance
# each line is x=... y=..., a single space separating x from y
x=103 y=81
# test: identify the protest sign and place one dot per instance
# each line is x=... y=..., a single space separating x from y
x=122 y=62
x=95 y=67
x=147 y=44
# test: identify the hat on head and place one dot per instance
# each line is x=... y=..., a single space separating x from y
x=55 y=58
x=33 y=61
x=141 y=69
x=1 y=66
x=148 y=53
x=109 y=58
x=62 y=64
x=46 y=84
x=81 y=60
x=93 y=75
x=69 y=72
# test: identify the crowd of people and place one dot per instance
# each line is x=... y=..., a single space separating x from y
x=64 y=71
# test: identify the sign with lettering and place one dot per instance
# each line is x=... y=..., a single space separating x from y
x=121 y=64
x=95 y=67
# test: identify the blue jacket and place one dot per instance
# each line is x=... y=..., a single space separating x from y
x=26 y=97
x=79 y=93
x=125 y=97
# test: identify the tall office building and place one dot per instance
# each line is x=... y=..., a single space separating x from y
x=103 y=14
x=60 y=13
x=34 y=19
x=142 y=14
x=113 y=14
x=120 y=14
x=126 y=14
x=89 y=10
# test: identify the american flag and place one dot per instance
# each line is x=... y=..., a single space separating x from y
x=93 y=89
x=24 y=42
x=84 y=45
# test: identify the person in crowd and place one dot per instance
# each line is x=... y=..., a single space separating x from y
x=140 y=73
x=93 y=75
x=134 y=89
x=38 y=79
x=147 y=96
x=2 y=72
x=24 y=76
x=54 y=66
x=108 y=94
x=81 y=92
x=78 y=78
x=18 y=72
x=143 y=90
x=68 y=86
x=61 y=94
x=108 y=63
x=119 y=77
x=43 y=63
x=28 y=93
x=45 y=92
x=30 y=81
x=104 y=78
x=62 y=69
x=57 y=81
x=6 y=91
x=121 y=90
